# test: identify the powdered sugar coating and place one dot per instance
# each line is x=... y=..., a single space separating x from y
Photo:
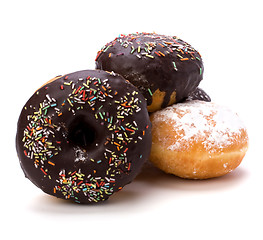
x=216 y=126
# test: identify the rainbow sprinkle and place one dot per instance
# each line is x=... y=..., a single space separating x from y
x=42 y=148
x=156 y=46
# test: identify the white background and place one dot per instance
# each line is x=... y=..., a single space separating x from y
x=42 y=39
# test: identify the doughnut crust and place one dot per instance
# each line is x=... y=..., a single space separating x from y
x=165 y=69
x=84 y=135
x=197 y=140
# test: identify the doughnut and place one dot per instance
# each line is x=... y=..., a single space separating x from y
x=198 y=94
x=165 y=69
x=197 y=140
x=84 y=136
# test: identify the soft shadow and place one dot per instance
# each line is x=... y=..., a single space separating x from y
x=150 y=183
x=53 y=206
x=46 y=204
x=156 y=178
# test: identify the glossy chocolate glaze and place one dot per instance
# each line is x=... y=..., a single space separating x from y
x=199 y=94
x=84 y=136
x=154 y=62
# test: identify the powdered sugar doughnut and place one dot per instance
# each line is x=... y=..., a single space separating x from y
x=197 y=140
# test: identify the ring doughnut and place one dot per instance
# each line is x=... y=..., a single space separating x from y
x=84 y=135
x=199 y=94
x=165 y=69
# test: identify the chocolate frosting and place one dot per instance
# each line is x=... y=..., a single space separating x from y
x=84 y=136
x=154 y=62
x=199 y=94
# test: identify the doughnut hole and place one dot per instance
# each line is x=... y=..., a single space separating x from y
x=82 y=133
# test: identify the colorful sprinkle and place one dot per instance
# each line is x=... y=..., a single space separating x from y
x=157 y=46
x=41 y=143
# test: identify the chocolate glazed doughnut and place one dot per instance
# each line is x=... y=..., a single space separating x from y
x=164 y=68
x=199 y=94
x=84 y=135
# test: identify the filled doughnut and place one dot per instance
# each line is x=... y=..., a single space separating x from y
x=84 y=135
x=165 y=69
x=197 y=140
